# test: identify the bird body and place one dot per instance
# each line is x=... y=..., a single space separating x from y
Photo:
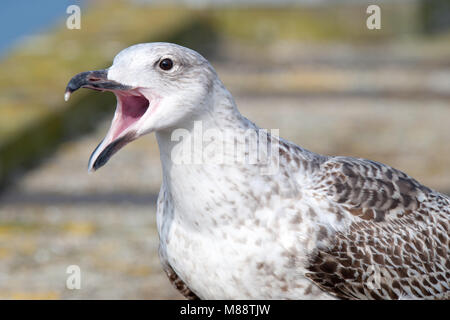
x=311 y=227
x=228 y=224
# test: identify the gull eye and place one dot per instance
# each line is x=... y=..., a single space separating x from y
x=166 y=64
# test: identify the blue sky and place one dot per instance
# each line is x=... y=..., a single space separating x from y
x=19 y=18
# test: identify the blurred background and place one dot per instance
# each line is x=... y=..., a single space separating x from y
x=310 y=68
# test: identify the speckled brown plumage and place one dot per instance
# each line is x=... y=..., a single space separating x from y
x=179 y=284
x=398 y=245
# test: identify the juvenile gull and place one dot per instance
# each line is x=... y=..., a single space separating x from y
x=317 y=227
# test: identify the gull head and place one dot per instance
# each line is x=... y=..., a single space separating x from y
x=158 y=86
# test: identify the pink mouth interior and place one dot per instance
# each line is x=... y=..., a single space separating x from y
x=130 y=109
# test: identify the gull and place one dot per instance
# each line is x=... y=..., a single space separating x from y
x=315 y=227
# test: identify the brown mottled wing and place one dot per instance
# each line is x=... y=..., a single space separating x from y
x=180 y=285
x=370 y=190
x=397 y=243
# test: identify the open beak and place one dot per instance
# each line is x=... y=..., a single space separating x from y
x=97 y=80
x=131 y=106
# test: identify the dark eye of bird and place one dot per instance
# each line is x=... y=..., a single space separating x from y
x=166 y=64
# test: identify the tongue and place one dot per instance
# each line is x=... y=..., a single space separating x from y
x=131 y=109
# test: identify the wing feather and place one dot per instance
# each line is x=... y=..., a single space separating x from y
x=397 y=245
